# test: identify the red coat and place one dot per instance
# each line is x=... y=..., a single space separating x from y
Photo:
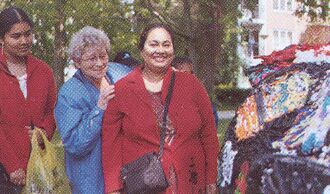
x=130 y=130
x=16 y=112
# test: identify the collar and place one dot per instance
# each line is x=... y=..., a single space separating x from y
x=31 y=64
x=82 y=78
x=136 y=84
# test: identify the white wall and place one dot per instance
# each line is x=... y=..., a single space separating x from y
x=283 y=21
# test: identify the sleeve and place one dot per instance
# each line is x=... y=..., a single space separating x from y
x=112 y=147
x=7 y=155
x=209 y=137
x=79 y=127
x=48 y=123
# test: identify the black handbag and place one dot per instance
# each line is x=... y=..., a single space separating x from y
x=145 y=175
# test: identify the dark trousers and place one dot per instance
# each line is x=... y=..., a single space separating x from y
x=5 y=185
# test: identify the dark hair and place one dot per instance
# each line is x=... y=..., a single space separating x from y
x=126 y=58
x=177 y=61
x=145 y=33
x=10 y=16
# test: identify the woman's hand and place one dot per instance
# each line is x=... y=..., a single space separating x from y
x=107 y=92
x=39 y=138
x=18 y=177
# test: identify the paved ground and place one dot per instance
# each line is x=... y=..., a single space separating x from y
x=226 y=114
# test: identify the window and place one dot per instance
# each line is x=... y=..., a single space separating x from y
x=283 y=5
x=290 y=38
x=282 y=39
x=250 y=42
x=289 y=5
x=275 y=4
x=276 y=40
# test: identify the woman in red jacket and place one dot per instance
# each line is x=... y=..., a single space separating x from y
x=131 y=123
x=27 y=93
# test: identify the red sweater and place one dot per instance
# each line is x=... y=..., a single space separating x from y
x=130 y=130
x=16 y=112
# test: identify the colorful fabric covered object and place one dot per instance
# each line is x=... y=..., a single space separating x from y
x=285 y=58
x=260 y=74
x=285 y=94
x=286 y=118
x=309 y=135
x=247 y=122
x=286 y=174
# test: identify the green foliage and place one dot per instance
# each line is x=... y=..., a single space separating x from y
x=222 y=128
x=113 y=16
x=229 y=60
x=200 y=26
x=230 y=98
x=191 y=20
x=250 y=4
x=43 y=23
x=123 y=22
x=315 y=10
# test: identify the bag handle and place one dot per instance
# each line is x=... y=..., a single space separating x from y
x=35 y=144
x=163 y=126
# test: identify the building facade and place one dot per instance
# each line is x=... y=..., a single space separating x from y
x=271 y=26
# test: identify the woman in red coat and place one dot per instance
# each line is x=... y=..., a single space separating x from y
x=27 y=93
x=131 y=123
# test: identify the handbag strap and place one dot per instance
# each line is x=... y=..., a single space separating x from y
x=163 y=126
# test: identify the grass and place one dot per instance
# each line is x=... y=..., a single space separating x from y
x=223 y=125
x=223 y=106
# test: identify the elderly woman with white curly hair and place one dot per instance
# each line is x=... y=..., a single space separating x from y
x=80 y=107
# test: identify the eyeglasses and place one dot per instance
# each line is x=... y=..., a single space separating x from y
x=94 y=59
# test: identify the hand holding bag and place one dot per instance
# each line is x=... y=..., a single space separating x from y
x=145 y=175
x=46 y=170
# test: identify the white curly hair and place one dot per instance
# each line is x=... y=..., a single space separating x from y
x=87 y=36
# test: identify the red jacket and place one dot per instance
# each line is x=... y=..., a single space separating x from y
x=130 y=130
x=16 y=112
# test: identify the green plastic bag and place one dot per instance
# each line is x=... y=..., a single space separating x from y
x=46 y=168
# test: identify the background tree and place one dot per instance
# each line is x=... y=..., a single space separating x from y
x=56 y=20
x=205 y=30
x=59 y=58
x=315 y=10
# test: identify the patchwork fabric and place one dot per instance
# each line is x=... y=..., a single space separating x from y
x=258 y=75
x=287 y=114
x=286 y=174
x=226 y=165
x=284 y=59
x=309 y=135
x=247 y=122
x=286 y=94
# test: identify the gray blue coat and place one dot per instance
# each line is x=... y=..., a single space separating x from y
x=79 y=122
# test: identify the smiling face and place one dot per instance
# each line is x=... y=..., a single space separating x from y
x=18 y=40
x=93 y=63
x=158 y=51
